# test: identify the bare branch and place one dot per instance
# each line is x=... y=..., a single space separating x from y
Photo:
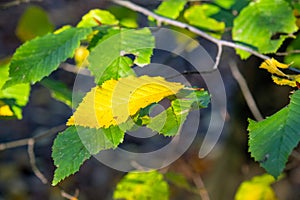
x=73 y=69
x=288 y=52
x=245 y=90
x=24 y=142
x=16 y=3
x=218 y=57
x=31 y=155
x=68 y=196
x=161 y=19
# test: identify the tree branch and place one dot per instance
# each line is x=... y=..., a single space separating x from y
x=16 y=3
x=24 y=142
x=35 y=169
x=245 y=90
x=161 y=19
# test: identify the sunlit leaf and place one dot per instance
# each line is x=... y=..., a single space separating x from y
x=39 y=57
x=115 y=100
x=5 y=110
x=170 y=121
x=278 y=76
x=200 y=16
x=126 y=17
x=76 y=144
x=272 y=66
x=258 y=188
x=272 y=140
x=97 y=17
x=34 y=22
x=170 y=8
x=121 y=42
x=264 y=24
x=142 y=186
x=16 y=97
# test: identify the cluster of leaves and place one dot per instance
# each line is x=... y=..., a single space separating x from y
x=262 y=25
x=119 y=102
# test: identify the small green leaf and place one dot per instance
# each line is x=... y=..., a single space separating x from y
x=59 y=90
x=121 y=42
x=34 y=22
x=76 y=144
x=293 y=58
x=39 y=57
x=142 y=186
x=126 y=17
x=200 y=16
x=16 y=96
x=264 y=24
x=169 y=121
x=121 y=67
x=170 y=8
x=97 y=17
x=272 y=140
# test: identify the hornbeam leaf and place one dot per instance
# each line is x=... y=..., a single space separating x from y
x=115 y=100
x=272 y=140
x=119 y=43
x=170 y=8
x=264 y=24
x=142 y=185
x=39 y=57
x=76 y=144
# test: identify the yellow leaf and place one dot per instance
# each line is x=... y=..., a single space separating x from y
x=115 y=100
x=258 y=188
x=5 y=110
x=284 y=81
x=272 y=66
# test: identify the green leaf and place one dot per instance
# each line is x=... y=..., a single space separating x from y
x=121 y=67
x=126 y=17
x=169 y=121
x=264 y=24
x=76 y=144
x=272 y=140
x=16 y=96
x=34 y=22
x=170 y=8
x=97 y=17
x=140 y=43
x=142 y=186
x=39 y=57
x=200 y=16
x=293 y=58
x=58 y=90
x=228 y=10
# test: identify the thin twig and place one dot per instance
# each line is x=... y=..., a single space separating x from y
x=218 y=57
x=16 y=3
x=245 y=90
x=68 y=196
x=161 y=19
x=31 y=155
x=201 y=187
x=24 y=142
x=72 y=68
x=288 y=52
